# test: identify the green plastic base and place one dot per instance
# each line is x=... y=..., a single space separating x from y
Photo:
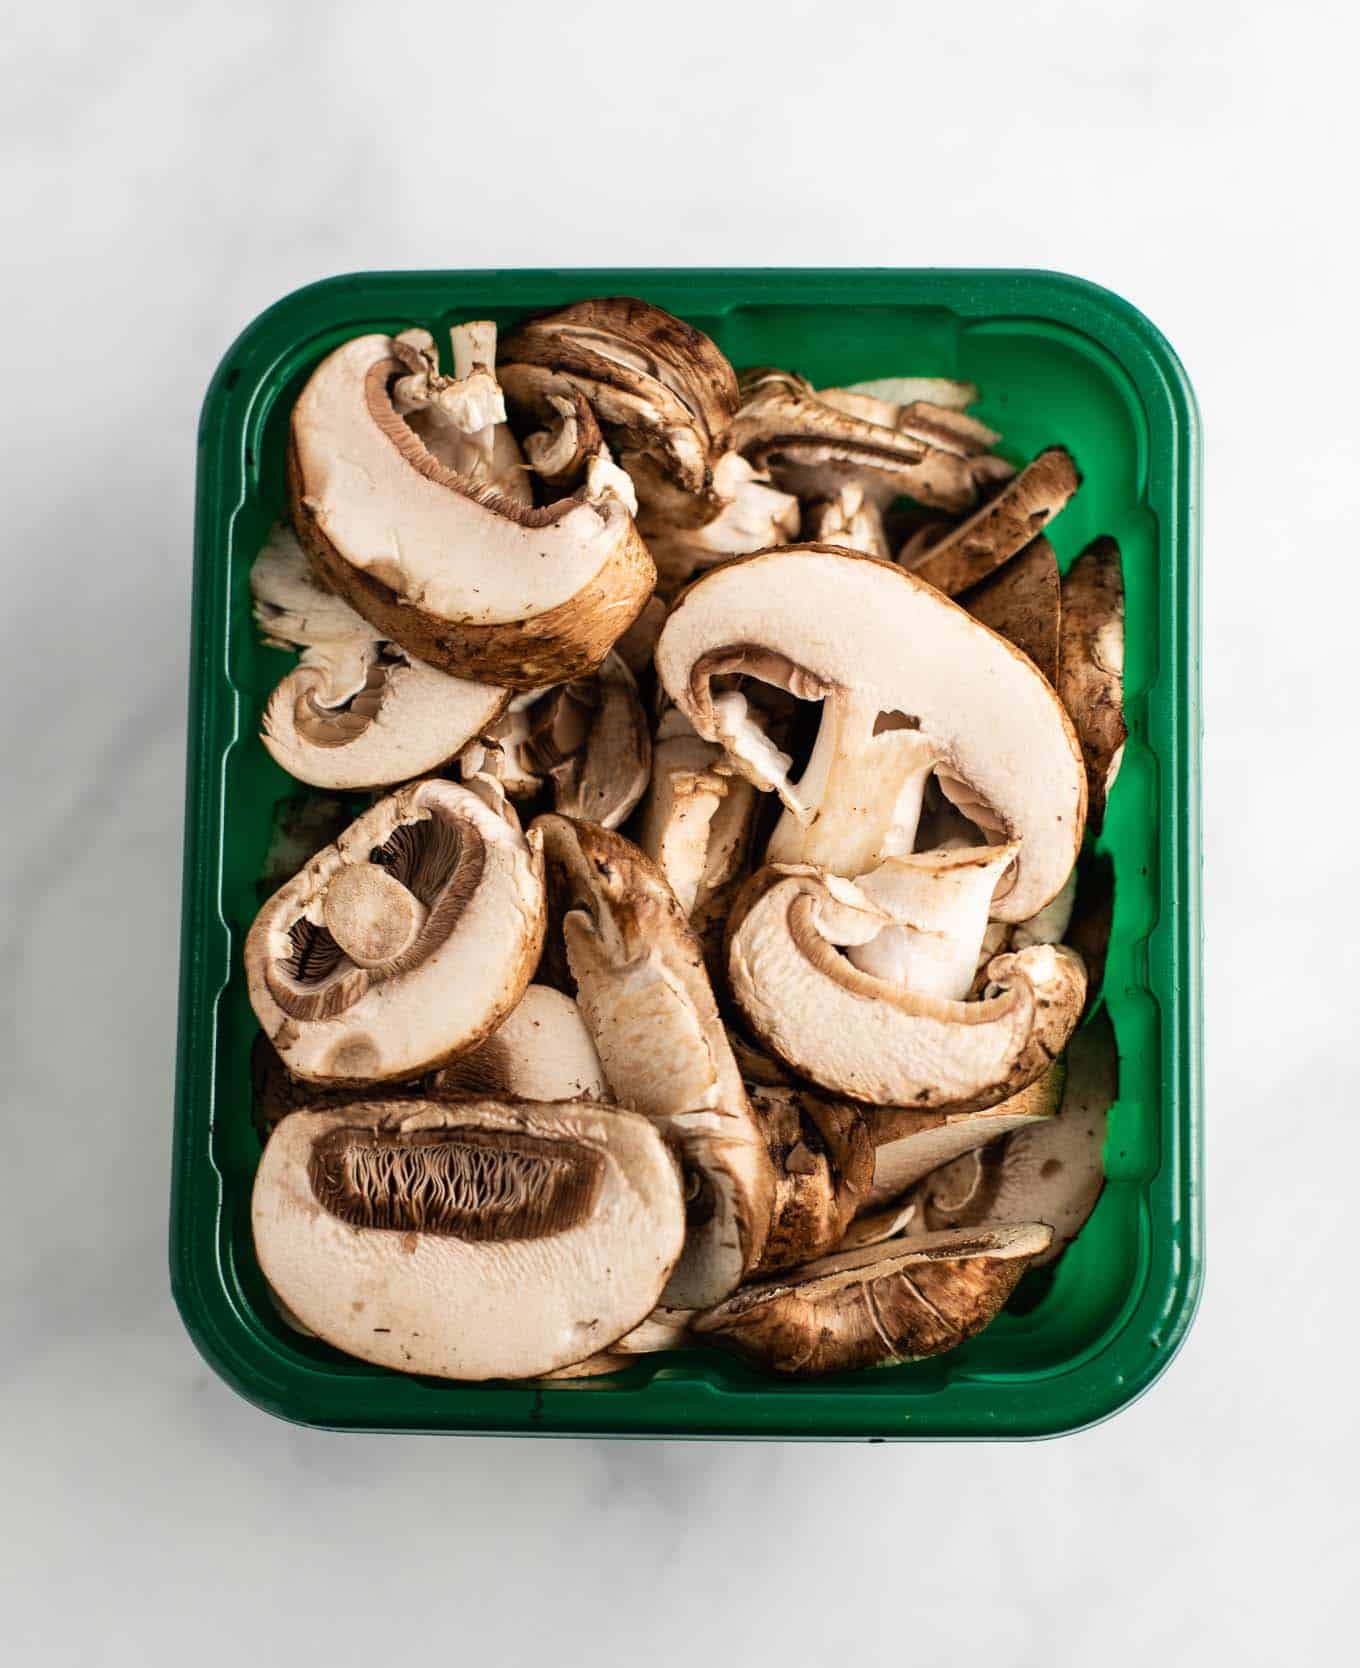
x=1058 y=360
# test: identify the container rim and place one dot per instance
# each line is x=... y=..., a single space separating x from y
x=673 y=1404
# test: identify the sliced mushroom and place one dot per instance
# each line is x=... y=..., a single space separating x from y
x=461 y=575
x=813 y=444
x=560 y=451
x=502 y=753
x=877 y=1226
x=1091 y=675
x=880 y=1042
x=823 y=1164
x=1050 y=1171
x=910 y=685
x=697 y=824
x=909 y=1145
x=402 y=945
x=1003 y=527
x=657 y=386
x=588 y=737
x=681 y=802
x=664 y=1329
x=908 y=390
x=358 y=712
x=937 y=902
x=643 y=991
x=848 y=520
x=474 y=1241
x=751 y=515
x=461 y=419
x=1022 y=602
x=604 y=776
x=877 y=1304
x=541 y=1051
x=1049 y=925
x=935 y=424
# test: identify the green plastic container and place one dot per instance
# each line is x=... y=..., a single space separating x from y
x=1058 y=360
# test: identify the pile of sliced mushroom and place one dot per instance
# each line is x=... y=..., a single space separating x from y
x=710 y=961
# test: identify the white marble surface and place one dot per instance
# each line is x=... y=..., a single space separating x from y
x=170 y=170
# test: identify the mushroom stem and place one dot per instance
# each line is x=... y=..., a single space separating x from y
x=938 y=901
x=474 y=345
x=861 y=792
x=371 y=915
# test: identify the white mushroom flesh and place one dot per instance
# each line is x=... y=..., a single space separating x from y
x=876 y=1041
x=938 y=901
x=909 y=682
x=472 y=1241
x=468 y=952
x=399 y=524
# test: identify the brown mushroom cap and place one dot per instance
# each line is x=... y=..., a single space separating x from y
x=819 y=1183
x=902 y=1301
x=1091 y=672
x=360 y=968
x=1022 y=602
x=1002 y=527
x=645 y=995
x=656 y=385
x=528 y=596
x=480 y=1240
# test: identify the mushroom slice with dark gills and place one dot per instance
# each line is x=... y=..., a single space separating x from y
x=645 y=995
x=816 y=443
x=660 y=390
x=357 y=711
x=480 y=1240
x=899 y=1301
x=402 y=945
x=462 y=574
